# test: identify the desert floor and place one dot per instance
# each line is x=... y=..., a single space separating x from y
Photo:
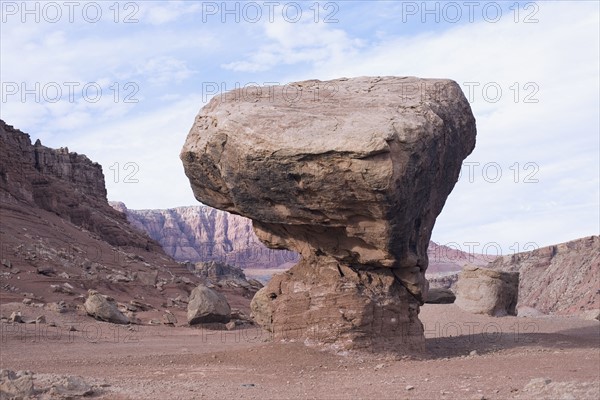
x=161 y=362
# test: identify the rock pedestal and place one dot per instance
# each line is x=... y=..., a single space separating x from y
x=351 y=174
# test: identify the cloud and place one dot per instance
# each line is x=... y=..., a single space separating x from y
x=546 y=112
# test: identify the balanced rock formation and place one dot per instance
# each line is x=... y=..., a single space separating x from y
x=351 y=174
x=486 y=291
x=561 y=279
x=203 y=233
x=206 y=305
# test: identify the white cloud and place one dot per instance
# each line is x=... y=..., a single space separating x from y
x=169 y=53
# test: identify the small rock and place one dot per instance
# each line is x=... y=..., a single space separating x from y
x=16 y=385
x=248 y=385
x=16 y=317
x=169 y=319
x=46 y=271
x=6 y=263
x=378 y=367
x=409 y=387
x=71 y=386
x=591 y=315
x=40 y=319
x=230 y=325
x=473 y=353
x=72 y=328
x=27 y=301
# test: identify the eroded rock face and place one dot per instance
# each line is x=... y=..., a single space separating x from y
x=562 y=279
x=351 y=174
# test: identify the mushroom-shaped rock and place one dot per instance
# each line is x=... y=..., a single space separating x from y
x=104 y=308
x=207 y=305
x=350 y=173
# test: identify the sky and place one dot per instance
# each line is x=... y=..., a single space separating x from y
x=122 y=82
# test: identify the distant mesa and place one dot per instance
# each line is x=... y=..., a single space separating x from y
x=353 y=181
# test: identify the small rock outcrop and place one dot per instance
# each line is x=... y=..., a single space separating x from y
x=485 y=291
x=560 y=279
x=104 y=308
x=351 y=174
x=206 y=306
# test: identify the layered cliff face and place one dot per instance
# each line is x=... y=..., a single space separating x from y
x=562 y=279
x=202 y=233
x=67 y=184
x=59 y=237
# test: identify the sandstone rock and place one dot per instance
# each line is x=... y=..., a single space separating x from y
x=169 y=319
x=230 y=325
x=351 y=175
x=558 y=279
x=440 y=296
x=485 y=291
x=206 y=306
x=147 y=277
x=59 y=307
x=529 y=312
x=341 y=307
x=16 y=317
x=16 y=384
x=262 y=307
x=104 y=308
x=591 y=315
x=70 y=387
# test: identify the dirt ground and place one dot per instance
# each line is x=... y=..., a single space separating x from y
x=468 y=357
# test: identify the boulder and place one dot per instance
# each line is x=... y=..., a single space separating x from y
x=148 y=278
x=104 y=308
x=70 y=387
x=440 y=296
x=206 y=306
x=15 y=385
x=486 y=291
x=351 y=174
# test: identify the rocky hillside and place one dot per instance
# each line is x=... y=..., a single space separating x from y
x=563 y=278
x=59 y=237
x=66 y=184
x=203 y=233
